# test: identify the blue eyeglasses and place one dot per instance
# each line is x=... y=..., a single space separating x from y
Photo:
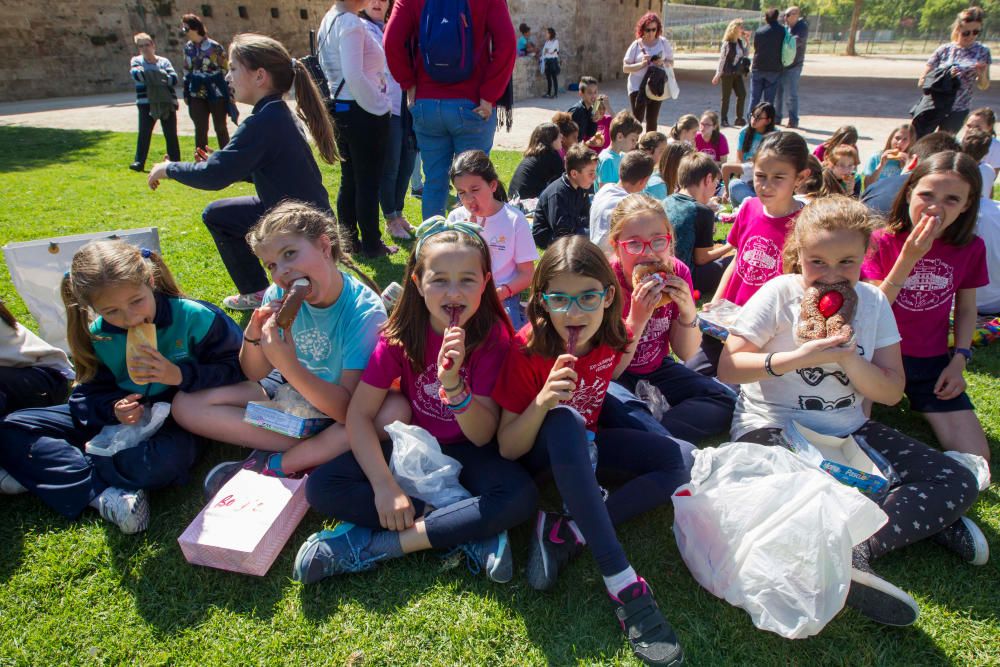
x=589 y=301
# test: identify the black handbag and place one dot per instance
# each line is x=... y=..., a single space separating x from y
x=743 y=66
x=311 y=63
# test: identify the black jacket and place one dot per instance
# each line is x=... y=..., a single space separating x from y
x=584 y=119
x=534 y=174
x=767 y=47
x=940 y=89
x=268 y=147
x=562 y=209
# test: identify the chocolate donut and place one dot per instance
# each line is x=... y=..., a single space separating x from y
x=659 y=271
x=827 y=310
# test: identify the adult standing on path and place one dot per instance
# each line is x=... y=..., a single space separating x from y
x=788 y=84
x=205 y=90
x=156 y=99
x=765 y=72
x=970 y=62
x=269 y=148
x=401 y=144
x=457 y=116
x=354 y=64
x=650 y=49
x=731 y=72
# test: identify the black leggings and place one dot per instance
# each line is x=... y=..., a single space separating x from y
x=200 y=110
x=146 y=124
x=935 y=491
x=551 y=77
x=361 y=140
x=648 y=110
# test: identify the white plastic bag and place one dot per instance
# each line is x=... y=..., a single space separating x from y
x=769 y=533
x=672 y=86
x=421 y=469
x=37 y=269
x=976 y=464
x=113 y=439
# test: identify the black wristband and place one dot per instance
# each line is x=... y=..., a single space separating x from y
x=767 y=366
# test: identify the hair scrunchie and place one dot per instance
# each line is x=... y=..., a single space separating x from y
x=145 y=252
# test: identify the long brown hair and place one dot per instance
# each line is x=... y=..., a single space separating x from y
x=963 y=230
x=578 y=255
x=827 y=214
x=97 y=266
x=408 y=322
x=845 y=134
x=670 y=161
x=255 y=51
x=296 y=218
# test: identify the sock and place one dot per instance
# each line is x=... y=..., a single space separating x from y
x=616 y=582
x=274 y=464
x=387 y=542
x=576 y=531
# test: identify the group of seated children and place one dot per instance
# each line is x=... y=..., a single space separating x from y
x=519 y=396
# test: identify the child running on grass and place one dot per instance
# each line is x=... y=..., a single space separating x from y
x=195 y=347
x=551 y=389
x=445 y=342
x=823 y=383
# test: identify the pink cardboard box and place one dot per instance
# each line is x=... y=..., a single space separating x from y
x=247 y=523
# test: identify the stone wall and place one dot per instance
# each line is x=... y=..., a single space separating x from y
x=82 y=47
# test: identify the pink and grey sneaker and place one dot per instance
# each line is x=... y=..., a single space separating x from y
x=553 y=544
x=649 y=634
x=244 y=301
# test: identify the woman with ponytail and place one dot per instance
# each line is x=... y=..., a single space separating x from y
x=113 y=292
x=269 y=148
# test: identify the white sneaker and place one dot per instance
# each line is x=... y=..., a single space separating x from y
x=963 y=537
x=244 y=301
x=129 y=510
x=10 y=486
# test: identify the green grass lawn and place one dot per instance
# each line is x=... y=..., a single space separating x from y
x=82 y=593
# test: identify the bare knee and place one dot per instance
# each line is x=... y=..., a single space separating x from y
x=394 y=408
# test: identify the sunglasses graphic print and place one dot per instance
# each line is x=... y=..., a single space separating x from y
x=813 y=376
x=821 y=404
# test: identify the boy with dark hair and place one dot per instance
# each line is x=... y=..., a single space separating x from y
x=583 y=113
x=976 y=144
x=694 y=222
x=525 y=47
x=634 y=172
x=625 y=130
x=882 y=193
x=563 y=208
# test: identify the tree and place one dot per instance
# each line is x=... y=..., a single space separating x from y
x=855 y=19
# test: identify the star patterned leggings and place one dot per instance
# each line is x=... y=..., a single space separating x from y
x=935 y=491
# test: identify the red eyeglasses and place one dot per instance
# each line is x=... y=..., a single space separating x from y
x=638 y=246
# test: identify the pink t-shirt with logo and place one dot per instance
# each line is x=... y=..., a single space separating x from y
x=717 y=151
x=923 y=307
x=654 y=344
x=759 y=240
x=479 y=372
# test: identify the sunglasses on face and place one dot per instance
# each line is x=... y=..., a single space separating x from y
x=638 y=246
x=588 y=301
x=966 y=33
x=655 y=29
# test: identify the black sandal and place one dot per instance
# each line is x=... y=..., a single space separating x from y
x=652 y=639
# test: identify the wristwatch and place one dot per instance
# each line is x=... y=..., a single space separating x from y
x=965 y=352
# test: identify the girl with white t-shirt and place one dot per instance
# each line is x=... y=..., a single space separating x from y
x=504 y=228
x=550 y=63
x=822 y=384
x=650 y=49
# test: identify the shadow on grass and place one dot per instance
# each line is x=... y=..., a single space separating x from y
x=27 y=148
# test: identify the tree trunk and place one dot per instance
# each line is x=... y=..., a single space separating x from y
x=855 y=19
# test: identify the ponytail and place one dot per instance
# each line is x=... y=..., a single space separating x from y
x=685 y=123
x=312 y=110
x=78 y=334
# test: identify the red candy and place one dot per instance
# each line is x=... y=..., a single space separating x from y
x=830 y=303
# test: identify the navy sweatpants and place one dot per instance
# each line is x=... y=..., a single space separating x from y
x=43 y=449
x=503 y=495
x=700 y=407
x=229 y=220
x=648 y=467
x=30 y=387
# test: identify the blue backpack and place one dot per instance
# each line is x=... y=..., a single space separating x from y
x=445 y=40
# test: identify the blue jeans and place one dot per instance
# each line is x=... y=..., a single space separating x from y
x=444 y=129
x=739 y=190
x=400 y=153
x=416 y=178
x=763 y=85
x=512 y=305
x=788 y=85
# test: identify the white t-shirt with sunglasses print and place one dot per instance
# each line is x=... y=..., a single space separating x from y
x=821 y=398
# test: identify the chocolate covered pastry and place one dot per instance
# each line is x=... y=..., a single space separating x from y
x=827 y=310
x=653 y=271
x=293 y=301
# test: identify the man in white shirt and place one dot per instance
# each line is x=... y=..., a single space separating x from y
x=988 y=228
x=635 y=169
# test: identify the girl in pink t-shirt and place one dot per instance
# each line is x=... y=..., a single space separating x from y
x=552 y=388
x=641 y=235
x=709 y=139
x=445 y=342
x=923 y=267
x=603 y=116
x=781 y=164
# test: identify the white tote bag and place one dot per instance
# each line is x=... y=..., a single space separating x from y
x=672 y=86
x=37 y=269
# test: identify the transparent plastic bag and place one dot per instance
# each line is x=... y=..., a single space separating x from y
x=653 y=398
x=766 y=531
x=976 y=464
x=113 y=439
x=421 y=469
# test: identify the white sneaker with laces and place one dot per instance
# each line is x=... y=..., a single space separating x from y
x=244 y=301
x=129 y=510
x=10 y=486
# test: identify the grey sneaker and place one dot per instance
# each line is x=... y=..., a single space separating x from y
x=244 y=301
x=553 y=545
x=345 y=549
x=876 y=598
x=129 y=510
x=225 y=471
x=10 y=486
x=492 y=555
x=963 y=537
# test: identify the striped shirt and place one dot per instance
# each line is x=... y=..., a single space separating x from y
x=138 y=68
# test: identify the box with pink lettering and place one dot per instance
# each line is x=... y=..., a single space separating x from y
x=246 y=524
